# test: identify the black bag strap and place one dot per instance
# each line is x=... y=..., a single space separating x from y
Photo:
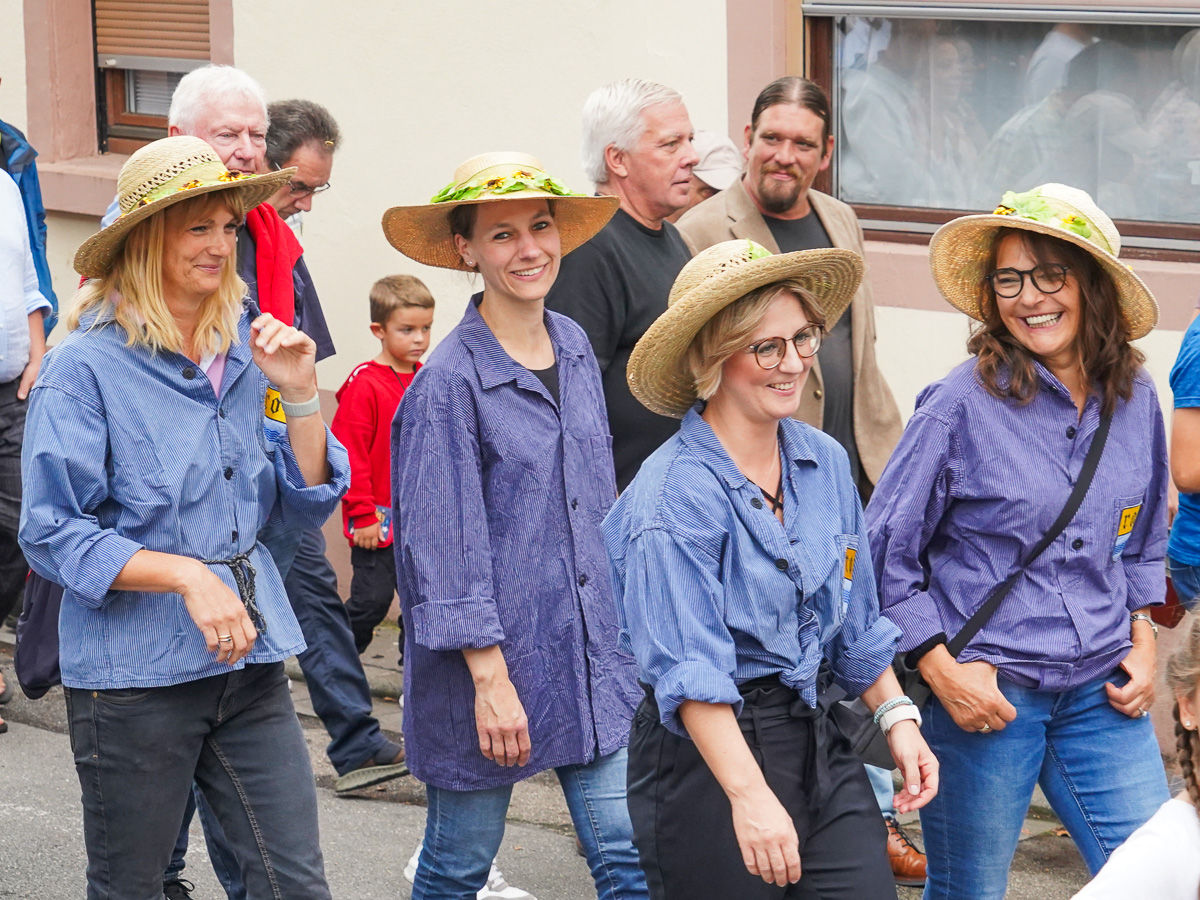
x=1090 y=463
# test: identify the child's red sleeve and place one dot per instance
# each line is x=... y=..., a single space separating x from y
x=354 y=424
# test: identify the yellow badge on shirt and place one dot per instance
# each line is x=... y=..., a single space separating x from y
x=848 y=575
x=273 y=407
x=1125 y=525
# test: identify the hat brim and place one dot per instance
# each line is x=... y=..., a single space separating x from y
x=94 y=257
x=958 y=257
x=423 y=232
x=657 y=371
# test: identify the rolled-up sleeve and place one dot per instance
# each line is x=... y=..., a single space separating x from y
x=901 y=518
x=63 y=470
x=1143 y=556
x=442 y=540
x=311 y=506
x=673 y=605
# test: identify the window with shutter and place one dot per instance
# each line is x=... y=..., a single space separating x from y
x=143 y=48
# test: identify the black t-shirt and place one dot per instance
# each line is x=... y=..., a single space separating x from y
x=549 y=379
x=615 y=286
x=837 y=350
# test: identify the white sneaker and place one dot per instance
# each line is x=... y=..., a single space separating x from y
x=495 y=889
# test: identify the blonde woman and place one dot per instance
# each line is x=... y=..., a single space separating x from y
x=150 y=472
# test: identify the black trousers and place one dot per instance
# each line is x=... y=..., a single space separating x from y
x=683 y=824
x=13 y=568
x=372 y=588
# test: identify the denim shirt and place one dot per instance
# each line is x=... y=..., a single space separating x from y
x=499 y=493
x=714 y=591
x=976 y=481
x=126 y=449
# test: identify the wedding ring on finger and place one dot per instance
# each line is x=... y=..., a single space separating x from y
x=224 y=638
x=985 y=728
x=1142 y=712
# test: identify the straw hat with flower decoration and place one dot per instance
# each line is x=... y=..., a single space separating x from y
x=959 y=251
x=423 y=232
x=159 y=175
x=658 y=373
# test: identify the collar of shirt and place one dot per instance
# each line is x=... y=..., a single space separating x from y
x=698 y=435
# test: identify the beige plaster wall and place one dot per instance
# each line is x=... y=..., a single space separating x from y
x=12 y=63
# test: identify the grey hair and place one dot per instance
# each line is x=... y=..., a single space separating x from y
x=207 y=88
x=295 y=123
x=612 y=116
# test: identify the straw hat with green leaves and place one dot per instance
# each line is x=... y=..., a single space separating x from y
x=423 y=232
x=960 y=250
x=658 y=373
x=159 y=175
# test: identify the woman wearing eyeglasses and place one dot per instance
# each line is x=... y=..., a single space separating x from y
x=1055 y=687
x=736 y=559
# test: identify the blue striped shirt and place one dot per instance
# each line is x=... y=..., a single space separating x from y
x=126 y=450
x=499 y=493
x=976 y=481
x=714 y=591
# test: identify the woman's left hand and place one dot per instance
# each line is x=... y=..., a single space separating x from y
x=917 y=765
x=286 y=356
x=1136 y=697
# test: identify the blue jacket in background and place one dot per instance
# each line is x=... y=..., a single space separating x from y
x=17 y=159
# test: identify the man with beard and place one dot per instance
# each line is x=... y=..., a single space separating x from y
x=787 y=143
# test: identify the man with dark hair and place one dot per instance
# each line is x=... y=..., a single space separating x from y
x=787 y=143
x=302 y=134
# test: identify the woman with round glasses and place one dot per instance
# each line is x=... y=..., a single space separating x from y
x=1055 y=687
x=736 y=559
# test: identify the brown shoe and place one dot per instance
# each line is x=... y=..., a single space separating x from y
x=908 y=863
x=388 y=763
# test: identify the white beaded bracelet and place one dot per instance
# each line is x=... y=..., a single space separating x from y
x=299 y=410
x=902 y=713
x=883 y=707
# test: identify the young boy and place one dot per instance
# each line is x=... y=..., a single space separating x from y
x=401 y=316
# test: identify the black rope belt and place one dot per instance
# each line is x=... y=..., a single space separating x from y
x=243 y=577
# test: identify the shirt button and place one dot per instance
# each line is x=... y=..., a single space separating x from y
x=575 y=503
x=1077 y=544
x=582 y=580
x=228 y=473
x=235 y=537
x=221 y=412
x=756 y=502
x=189 y=373
x=818 y=393
x=781 y=565
x=1071 y=432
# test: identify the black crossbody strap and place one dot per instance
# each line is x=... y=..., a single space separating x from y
x=1090 y=463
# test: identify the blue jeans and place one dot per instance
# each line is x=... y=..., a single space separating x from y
x=463 y=830
x=224 y=863
x=1187 y=582
x=1100 y=770
x=137 y=753
x=884 y=788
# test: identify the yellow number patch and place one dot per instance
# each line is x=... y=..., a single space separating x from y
x=273 y=407
x=848 y=573
x=1128 y=517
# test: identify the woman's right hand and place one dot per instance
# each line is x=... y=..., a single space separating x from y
x=499 y=716
x=968 y=691
x=767 y=837
x=218 y=612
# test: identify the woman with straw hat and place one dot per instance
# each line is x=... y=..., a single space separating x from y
x=503 y=473
x=1033 y=477
x=149 y=475
x=737 y=558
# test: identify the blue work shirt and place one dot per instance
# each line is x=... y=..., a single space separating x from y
x=1184 y=546
x=975 y=482
x=499 y=493
x=714 y=591
x=126 y=449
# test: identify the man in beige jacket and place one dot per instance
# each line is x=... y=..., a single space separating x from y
x=787 y=143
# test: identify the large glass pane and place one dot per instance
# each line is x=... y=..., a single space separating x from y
x=950 y=114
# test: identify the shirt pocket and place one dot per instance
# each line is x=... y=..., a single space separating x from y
x=843 y=576
x=602 y=484
x=1124 y=516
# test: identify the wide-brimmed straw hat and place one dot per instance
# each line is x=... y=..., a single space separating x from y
x=423 y=232
x=161 y=174
x=658 y=373
x=959 y=251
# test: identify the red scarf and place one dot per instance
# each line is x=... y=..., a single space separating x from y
x=276 y=252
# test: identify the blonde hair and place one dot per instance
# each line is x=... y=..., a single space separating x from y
x=1183 y=678
x=731 y=330
x=133 y=289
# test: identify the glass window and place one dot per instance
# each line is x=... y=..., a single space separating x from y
x=948 y=114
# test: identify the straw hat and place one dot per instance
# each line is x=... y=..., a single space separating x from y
x=959 y=251
x=161 y=174
x=423 y=232
x=657 y=372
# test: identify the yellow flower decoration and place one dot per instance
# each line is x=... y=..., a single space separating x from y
x=493 y=183
x=187 y=187
x=1004 y=211
x=231 y=176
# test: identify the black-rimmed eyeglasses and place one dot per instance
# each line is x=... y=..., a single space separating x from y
x=769 y=352
x=300 y=189
x=1048 y=278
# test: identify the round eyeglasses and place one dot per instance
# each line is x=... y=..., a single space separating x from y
x=1048 y=278
x=300 y=189
x=769 y=352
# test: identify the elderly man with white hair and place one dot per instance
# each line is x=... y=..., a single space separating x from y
x=637 y=146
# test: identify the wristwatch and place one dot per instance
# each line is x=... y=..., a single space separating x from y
x=1133 y=617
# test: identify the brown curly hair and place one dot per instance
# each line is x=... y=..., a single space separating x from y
x=1005 y=366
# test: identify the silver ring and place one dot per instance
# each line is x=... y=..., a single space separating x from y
x=225 y=639
x=984 y=728
x=1142 y=712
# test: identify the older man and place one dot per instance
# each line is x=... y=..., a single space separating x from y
x=637 y=146
x=786 y=144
